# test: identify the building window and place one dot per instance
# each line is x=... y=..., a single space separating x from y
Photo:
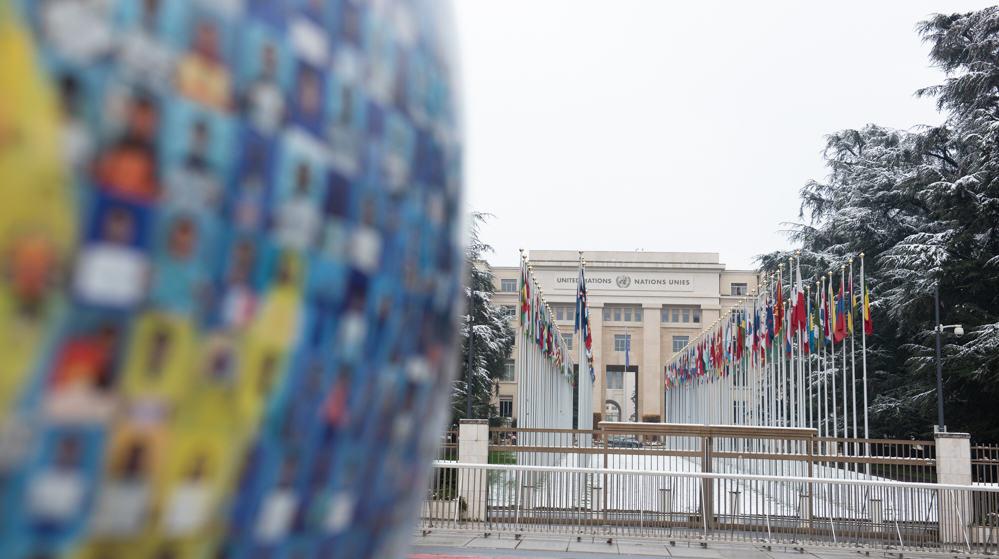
x=508 y=311
x=568 y=340
x=623 y=313
x=681 y=315
x=615 y=380
x=508 y=285
x=739 y=289
x=621 y=341
x=679 y=342
x=508 y=371
x=565 y=312
x=506 y=407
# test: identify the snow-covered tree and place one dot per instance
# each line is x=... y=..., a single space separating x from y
x=493 y=336
x=923 y=204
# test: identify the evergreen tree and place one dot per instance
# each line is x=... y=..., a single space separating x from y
x=493 y=336
x=923 y=205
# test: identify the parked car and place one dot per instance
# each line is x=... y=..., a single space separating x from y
x=623 y=441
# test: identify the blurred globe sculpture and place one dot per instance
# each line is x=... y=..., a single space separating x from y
x=229 y=266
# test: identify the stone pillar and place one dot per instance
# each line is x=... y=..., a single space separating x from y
x=473 y=448
x=707 y=484
x=953 y=468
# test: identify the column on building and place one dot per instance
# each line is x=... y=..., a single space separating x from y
x=651 y=382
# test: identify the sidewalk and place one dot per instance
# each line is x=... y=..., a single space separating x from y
x=466 y=545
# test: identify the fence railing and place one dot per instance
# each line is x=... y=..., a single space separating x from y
x=985 y=463
x=731 y=449
x=449 y=445
x=609 y=502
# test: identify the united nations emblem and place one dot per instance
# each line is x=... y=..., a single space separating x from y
x=623 y=282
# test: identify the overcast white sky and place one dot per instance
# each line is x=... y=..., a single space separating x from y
x=673 y=126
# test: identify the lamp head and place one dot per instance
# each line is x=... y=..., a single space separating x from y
x=959 y=330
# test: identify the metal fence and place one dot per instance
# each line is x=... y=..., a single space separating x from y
x=608 y=502
x=727 y=449
x=985 y=463
x=449 y=445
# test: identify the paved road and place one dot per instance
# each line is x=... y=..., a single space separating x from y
x=464 y=545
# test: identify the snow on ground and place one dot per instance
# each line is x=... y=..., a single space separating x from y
x=675 y=495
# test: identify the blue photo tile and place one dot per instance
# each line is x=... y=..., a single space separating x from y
x=272 y=180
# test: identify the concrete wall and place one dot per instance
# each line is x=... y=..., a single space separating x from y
x=953 y=468
x=473 y=448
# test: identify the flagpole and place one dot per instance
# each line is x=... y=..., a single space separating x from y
x=808 y=358
x=803 y=415
x=757 y=360
x=584 y=381
x=788 y=353
x=853 y=356
x=821 y=407
x=525 y=409
x=772 y=366
x=778 y=343
x=793 y=402
x=863 y=357
x=820 y=341
x=832 y=363
x=787 y=362
x=751 y=369
x=842 y=290
x=806 y=372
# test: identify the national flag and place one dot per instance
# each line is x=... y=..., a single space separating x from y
x=798 y=300
x=812 y=327
x=840 y=330
x=525 y=297
x=757 y=333
x=830 y=311
x=778 y=305
x=788 y=330
x=851 y=302
x=583 y=323
x=868 y=324
x=770 y=324
x=538 y=324
x=741 y=332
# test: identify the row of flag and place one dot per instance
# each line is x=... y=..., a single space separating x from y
x=537 y=323
x=768 y=320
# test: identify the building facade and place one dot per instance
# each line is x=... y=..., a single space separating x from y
x=644 y=306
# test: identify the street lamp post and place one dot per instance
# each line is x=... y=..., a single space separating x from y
x=939 y=328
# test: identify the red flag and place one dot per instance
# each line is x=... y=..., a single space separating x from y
x=798 y=318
